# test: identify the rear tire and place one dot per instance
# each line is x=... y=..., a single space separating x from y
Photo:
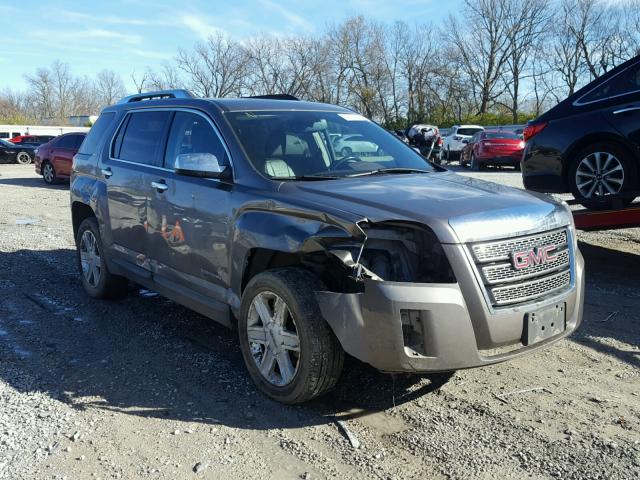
x=475 y=166
x=600 y=173
x=96 y=279
x=279 y=370
x=49 y=173
x=23 y=158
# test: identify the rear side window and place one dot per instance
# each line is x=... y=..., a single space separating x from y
x=77 y=140
x=191 y=133
x=468 y=131
x=96 y=133
x=68 y=141
x=624 y=83
x=141 y=137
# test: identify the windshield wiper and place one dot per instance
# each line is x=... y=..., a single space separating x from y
x=306 y=178
x=384 y=171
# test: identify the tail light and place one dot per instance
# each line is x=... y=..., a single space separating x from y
x=533 y=129
x=521 y=144
x=440 y=141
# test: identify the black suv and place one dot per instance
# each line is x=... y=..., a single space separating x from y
x=244 y=211
x=589 y=144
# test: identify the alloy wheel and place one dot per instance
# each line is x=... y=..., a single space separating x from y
x=90 y=258
x=47 y=173
x=599 y=174
x=273 y=338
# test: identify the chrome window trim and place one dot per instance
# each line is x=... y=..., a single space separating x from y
x=580 y=103
x=169 y=109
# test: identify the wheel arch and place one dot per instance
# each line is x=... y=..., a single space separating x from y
x=268 y=239
x=80 y=212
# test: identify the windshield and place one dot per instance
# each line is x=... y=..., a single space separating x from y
x=4 y=143
x=469 y=131
x=298 y=145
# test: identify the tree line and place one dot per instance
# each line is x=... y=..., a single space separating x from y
x=495 y=61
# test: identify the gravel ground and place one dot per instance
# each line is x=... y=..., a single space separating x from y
x=144 y=388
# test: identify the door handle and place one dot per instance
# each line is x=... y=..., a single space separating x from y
x=106 y=172
x=160 y=186
x=626 y=110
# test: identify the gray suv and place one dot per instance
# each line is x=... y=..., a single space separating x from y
x=244 y=211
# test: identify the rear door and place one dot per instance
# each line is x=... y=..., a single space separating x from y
x=189 y=216
x=61 y=154
x=620 y=100
x=133 y=161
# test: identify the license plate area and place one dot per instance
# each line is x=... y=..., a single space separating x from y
x=543 y=324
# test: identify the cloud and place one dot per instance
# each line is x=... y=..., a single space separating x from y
x=74 y=16
x=82 y=37
x=200 y=26
x=293 y=18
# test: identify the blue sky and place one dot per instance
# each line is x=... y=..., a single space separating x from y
x=123 y=35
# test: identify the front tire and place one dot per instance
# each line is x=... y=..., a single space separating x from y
x=599 y=174
x=23 y=158
x=96 y=279
x=290 y=351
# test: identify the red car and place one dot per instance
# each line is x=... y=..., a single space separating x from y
x=54 y=158
x=31 y=139
x=493 y=147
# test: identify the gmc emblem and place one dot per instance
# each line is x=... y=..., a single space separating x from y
x=535 y=256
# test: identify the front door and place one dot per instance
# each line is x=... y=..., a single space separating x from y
x=129 y=168
x=189 y=216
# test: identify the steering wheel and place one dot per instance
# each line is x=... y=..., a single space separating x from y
x=345 y=161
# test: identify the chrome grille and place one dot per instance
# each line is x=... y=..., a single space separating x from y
x=502 y=249
x=506 y=285
x=504 y=272
x=521 y=292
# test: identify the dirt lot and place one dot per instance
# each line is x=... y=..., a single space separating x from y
x=144 y=388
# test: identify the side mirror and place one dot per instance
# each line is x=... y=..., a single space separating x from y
x=465 y=141
x=204 y=165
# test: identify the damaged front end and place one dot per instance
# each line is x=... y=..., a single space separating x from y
x=371 y=277
x=394 y=253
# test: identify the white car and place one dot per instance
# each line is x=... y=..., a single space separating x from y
x=453 y=142
x=347 y=145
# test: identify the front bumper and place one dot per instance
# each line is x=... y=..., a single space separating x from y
x=458 y=328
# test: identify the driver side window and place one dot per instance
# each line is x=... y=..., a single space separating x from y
x=190 y=133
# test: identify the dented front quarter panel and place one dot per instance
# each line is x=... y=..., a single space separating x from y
x=281 y=226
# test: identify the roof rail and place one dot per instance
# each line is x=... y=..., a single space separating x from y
x=276 y=96
x=159 y=95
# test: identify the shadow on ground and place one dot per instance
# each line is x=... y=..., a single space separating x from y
x=33 y=182
x=147 y=356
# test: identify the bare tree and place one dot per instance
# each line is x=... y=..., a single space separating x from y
x=527 y=20
x=215 y=68
x=140 y=82
x=109 y=87
x=483 y=46
x=167 y=77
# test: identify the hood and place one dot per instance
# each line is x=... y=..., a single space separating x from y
x=457 y=208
